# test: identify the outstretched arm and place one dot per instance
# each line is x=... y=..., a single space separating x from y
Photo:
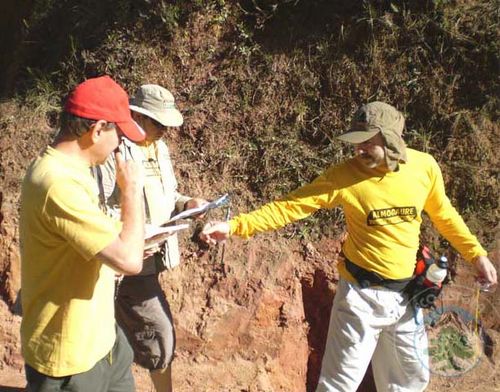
x=299 y=204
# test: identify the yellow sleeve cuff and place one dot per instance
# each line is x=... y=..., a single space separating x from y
x=233 y=226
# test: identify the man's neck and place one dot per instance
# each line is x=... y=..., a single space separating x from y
x=72 y=149
x=147 y=142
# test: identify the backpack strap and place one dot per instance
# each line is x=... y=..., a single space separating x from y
x=97 y=173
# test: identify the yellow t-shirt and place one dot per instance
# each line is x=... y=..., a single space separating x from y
x=382 y=211
x=67 y=294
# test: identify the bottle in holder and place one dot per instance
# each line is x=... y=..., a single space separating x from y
x=436 y=273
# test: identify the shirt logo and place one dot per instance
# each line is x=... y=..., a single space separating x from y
x=391 y=216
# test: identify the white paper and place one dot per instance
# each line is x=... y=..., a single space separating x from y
x=155 y=235
x=188 y=213
x=200 y=210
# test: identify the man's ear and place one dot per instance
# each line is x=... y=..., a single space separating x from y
x=96 y=130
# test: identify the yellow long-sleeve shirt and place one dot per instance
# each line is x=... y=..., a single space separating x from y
x=383 y=213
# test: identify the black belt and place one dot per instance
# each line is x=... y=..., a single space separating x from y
x=367 y=278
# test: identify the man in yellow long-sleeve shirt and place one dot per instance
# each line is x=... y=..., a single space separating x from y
x=383 y=191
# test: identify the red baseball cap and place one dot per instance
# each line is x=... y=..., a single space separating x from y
x=103 y=99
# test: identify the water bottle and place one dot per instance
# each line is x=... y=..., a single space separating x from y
x=436 y=272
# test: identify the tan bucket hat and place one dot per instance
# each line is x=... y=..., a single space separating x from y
x=158 y=103
x=371 y=119
x=376 y=117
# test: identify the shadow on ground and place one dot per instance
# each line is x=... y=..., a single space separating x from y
x=11 y=389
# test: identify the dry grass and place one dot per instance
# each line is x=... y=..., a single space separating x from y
x=264 y=101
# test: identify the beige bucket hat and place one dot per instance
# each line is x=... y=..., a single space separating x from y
x=371 y=119
x=157 y=103
x=376 y=117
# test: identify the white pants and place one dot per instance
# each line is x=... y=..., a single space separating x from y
x=378 y=324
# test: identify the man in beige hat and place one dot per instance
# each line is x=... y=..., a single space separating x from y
x=383 y=191
x=141 y=307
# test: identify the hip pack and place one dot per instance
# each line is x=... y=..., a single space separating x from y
x=367 y=278
x=420 y=291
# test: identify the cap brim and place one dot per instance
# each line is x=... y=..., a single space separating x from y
x=132 y=131
x=357 y=136
x=168 y=117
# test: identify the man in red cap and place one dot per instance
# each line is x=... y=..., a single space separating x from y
x=383 y=191
x=70 y=249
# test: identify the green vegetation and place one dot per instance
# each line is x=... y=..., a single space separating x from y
x=266 y=85
x=452 y=350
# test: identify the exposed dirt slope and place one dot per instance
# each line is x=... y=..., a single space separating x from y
x=265 y=86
